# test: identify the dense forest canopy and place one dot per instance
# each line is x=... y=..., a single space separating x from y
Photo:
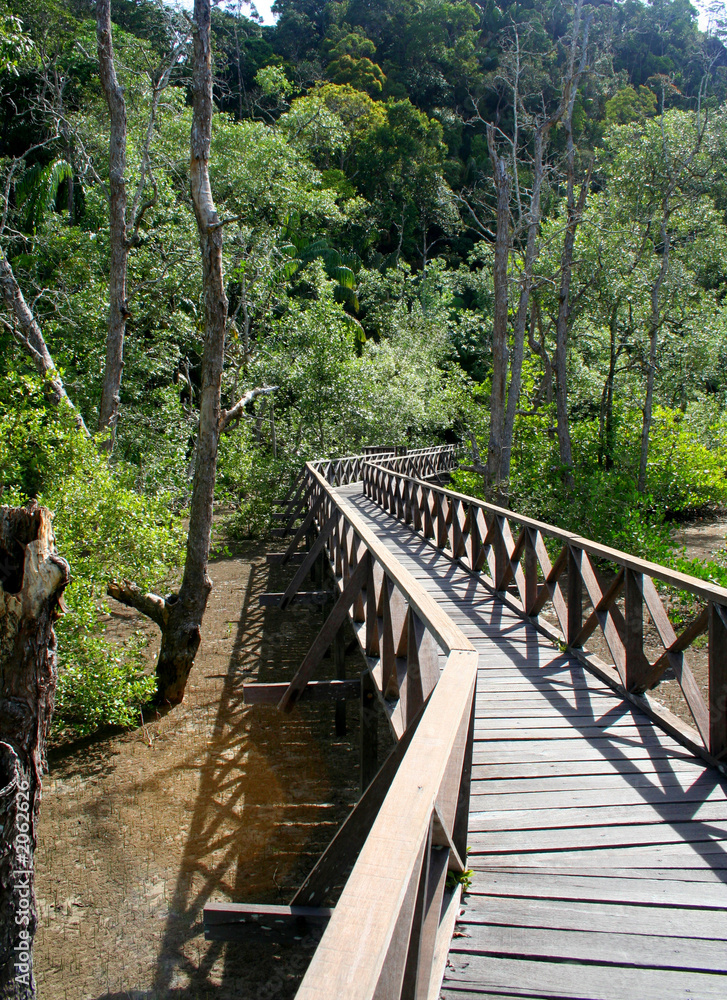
x=497 y=224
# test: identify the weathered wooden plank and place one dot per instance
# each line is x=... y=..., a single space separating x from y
x=705 y=860
x=533 y=884
x=589 y=837
x=596 y=917
x=576 y=981
x=642 y=733
x=611 y=948
x=608 y=819
x=483 y=800
x=491 y=724
x=314 y=598
x=494 y=780
x=683 y=783
x=270 y=694
x=498 y=751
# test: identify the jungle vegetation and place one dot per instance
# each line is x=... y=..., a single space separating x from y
x=400 y=222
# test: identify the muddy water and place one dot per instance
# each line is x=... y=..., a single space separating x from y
x=214 y=801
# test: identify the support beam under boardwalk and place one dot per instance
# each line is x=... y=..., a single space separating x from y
x=236 y=921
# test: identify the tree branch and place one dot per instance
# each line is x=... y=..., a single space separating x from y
x=235 y=412
x=151 y=605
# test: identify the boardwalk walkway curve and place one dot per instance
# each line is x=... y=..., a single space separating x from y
x=597 y=834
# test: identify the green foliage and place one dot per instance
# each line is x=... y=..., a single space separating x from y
x=37 y=191
x=629 y=105
x=358 y=214
x=106 y=529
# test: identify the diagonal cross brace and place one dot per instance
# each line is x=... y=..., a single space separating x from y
x=326 y=636
x=307 y=564
x=302 y=529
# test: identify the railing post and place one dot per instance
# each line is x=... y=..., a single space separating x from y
x=369 y=730
x=575 y=594
x=372 y=610
x=634 y=637
x=502 y=563
x=717 y=679
x=339 y=662
x=531 y=572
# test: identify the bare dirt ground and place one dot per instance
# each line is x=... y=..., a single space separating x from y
x=214 y=801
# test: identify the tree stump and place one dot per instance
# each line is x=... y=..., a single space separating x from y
x=32 y=580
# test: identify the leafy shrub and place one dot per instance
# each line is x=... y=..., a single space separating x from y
x=251 y=480
x=105 y=529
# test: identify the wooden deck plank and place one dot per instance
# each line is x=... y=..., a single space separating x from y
x=576 y=981
x=537 y=884
x=598 y=842
x=593 y=945
x=620 y=918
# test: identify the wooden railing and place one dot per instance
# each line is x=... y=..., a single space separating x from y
x=418 y=462
x=511 y=554
x=389 y=933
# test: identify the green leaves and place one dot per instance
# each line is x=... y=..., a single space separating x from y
x=37 y=190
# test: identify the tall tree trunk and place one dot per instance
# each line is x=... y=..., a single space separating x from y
x=574 y=211
x=521 y=317
x=32 y=580
x=502 y=183
x=605 y=420
x=654 y=324
x=118 y=307
x=28 y=334
x=180 y=615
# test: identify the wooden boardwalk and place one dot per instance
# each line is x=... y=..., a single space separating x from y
x=598 y=843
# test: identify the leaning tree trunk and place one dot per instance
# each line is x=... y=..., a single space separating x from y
x=119 y=246
x=32 y=580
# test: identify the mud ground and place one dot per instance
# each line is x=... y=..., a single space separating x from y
x=214 y=801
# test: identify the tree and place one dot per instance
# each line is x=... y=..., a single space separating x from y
x=123 y=233
x=179 y=616
x=32 y=580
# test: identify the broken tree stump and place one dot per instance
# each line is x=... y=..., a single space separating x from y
x=32 y=579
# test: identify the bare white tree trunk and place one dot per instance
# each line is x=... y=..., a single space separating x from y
x=119 y=246
x=521 y=317
x=502 y=183
x=28 y=334
x=654 y=325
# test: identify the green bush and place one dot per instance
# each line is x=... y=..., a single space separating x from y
x=105 y=529
x=683 y=476
x=250 y=479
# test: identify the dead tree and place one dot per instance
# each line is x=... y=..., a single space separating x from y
x=32 y=580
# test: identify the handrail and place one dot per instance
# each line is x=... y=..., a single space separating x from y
x=518 y=568
x=387 y=935
x=422 y=462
